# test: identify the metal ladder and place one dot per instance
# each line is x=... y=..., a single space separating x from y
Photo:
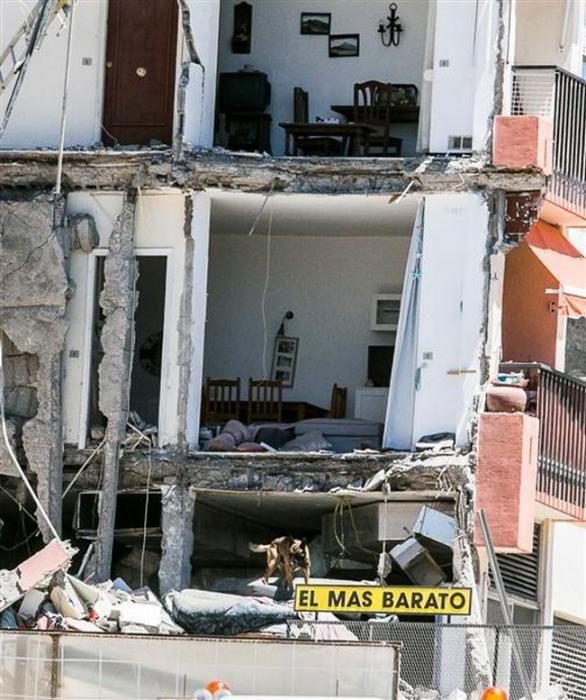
x=15 y=58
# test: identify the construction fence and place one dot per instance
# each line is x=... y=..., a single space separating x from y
x=346 y=660
x=438 y=657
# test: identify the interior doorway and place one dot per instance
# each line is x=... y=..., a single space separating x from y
x=140 y=72
x=149 y=321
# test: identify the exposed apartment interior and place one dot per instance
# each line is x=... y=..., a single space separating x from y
x=304 y=291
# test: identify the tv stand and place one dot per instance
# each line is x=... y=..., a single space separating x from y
x=248 y=131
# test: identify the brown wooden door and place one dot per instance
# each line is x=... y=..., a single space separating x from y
x=140 y=71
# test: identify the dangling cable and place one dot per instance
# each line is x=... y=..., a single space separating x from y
x=65 y=97
x=264 y=297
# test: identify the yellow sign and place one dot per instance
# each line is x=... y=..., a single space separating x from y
x=399 y=600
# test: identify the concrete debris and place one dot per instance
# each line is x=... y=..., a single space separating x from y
x=34 y=571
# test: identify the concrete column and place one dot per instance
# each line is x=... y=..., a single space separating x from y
x=177 y=542
x=43 y=439
x=118 y=300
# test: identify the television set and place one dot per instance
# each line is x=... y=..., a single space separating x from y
x=244 y=91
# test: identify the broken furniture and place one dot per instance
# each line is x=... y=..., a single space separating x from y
x=221 y=400
x=308 y=144
x=265 y=400
x=369 y=525
x=372 y=105
x=338 y=402
x=417 y=563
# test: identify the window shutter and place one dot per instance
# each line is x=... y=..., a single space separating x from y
x=520 y=572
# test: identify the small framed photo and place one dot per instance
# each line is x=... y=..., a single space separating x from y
x=285 y=359
x=344 y=45
x=316 y=23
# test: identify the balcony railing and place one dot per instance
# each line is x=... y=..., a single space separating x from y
x=551 y=92
x=559 y=401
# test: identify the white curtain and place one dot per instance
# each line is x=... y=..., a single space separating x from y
x=398 y=433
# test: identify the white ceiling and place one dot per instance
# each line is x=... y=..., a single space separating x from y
x=311 y=215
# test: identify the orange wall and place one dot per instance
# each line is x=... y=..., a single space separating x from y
x=506 y=478
x=529 y=327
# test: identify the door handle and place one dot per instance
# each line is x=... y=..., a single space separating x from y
x=141 y=72
x=108 y=64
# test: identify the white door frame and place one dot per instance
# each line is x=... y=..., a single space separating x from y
x=87 y=339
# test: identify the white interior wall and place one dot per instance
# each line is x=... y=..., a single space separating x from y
x=200 y=94
x=540 y=39
x=36 y=118
x=568 y=571
x=291 y=59
x=463 y=73
x=326 y=281
x=159 y=230
x=451 y=313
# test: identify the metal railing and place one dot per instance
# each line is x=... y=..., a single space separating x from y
x=556 y=94
x=438 y=658
x=559 y=401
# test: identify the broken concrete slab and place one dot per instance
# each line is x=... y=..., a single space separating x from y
x=34 y=571
x=201 y=169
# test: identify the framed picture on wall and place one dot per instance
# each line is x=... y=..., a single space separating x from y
x=344 y=45
x=285 y=359
x=315 y=23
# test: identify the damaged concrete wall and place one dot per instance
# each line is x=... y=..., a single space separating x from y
x=118 y=301
x=33 y=294
x=177 y=542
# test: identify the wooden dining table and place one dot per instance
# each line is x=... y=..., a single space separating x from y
x=351 y=134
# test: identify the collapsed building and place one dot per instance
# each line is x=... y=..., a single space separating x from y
x=173 y=251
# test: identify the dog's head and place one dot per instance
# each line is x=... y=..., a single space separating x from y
x=299 y=549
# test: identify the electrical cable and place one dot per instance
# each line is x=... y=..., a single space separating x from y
x=146 y=515
x=11 y=451
x=65 y=97
x=264 y=296
x=21 y=508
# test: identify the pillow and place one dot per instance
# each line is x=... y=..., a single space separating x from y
x=310 y=442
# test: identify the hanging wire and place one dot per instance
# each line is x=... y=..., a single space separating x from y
x=265 y=290
x=11 y=450
x=65 y=98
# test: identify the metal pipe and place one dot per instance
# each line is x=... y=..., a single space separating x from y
x=502 y=594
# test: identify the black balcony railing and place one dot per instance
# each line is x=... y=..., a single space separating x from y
x=551 y=92
x=559 y=402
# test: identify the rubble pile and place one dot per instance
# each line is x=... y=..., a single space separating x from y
x=40 y=595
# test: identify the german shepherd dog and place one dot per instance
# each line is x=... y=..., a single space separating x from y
x=286 y=555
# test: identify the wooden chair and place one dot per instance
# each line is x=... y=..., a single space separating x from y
x=372 y=105
x=221 y=400
x=265 y=400
x=338 y=402
x=311 y=145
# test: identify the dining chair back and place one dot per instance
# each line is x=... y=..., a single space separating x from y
x=372 y=105
x=265 y=400
x=338 y=402
x=221 y=400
